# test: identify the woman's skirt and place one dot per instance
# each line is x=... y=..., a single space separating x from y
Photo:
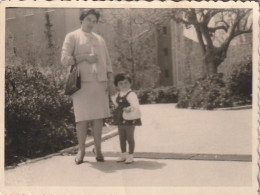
x=91 y=101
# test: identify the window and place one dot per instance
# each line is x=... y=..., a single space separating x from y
x=164 y=30
x=166 y=73
x=165 y=51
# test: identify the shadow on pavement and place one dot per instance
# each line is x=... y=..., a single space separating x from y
x=110 y=166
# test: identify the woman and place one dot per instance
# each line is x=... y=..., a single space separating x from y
x=90 y=103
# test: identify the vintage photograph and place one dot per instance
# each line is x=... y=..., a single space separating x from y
x=129 y=97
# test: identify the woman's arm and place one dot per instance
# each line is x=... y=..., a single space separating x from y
x=110 y=84
x=111 y=87
x=86 y=57
x=108 y=60
x=67 y=51
x=113 y=99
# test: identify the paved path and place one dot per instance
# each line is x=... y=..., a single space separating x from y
x=166 y=132
x=169 y=130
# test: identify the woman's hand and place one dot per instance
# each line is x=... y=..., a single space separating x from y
x=92 y=58
x=81 y=58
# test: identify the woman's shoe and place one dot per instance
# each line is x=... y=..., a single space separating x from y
x=78 y=161
x=79 y=158
x=100 y=159
x=122 y=157
x=130 y=159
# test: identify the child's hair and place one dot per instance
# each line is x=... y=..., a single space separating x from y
x=121 y=77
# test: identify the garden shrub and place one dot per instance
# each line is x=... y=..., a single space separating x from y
x=239 y=83
x=206 y=93
x=217 y=91
x=158 y=95
x=38 y=117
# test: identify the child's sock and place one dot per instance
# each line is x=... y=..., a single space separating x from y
x=129 y=159
x=122 y=157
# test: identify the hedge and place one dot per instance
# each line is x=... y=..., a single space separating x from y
x=38 y=117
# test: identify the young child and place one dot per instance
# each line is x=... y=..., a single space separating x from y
x=125 y=101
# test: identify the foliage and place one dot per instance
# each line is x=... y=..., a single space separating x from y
x=217 y=92
x=205 y=93
x=38 y=117
x=239 y=81
x=51 y=46
x=158 y=95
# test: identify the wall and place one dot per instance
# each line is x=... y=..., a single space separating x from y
x=164 y=54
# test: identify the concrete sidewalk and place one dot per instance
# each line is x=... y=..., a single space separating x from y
x=61 y=171
x=174 y=147
x=167 y=129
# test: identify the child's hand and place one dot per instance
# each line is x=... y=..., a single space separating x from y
x=128 y=109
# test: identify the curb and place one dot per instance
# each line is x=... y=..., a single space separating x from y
x=235 y=108
x=67 y=150
x=90 y=142
x=185 y=156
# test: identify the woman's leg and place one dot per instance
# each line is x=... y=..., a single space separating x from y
x=81 y=128
x=122 y=138
x=130 y=138
x=97 y=132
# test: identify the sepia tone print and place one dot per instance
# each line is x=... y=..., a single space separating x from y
x=183 y=76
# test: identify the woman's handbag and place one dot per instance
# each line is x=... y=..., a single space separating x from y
x=73 y=82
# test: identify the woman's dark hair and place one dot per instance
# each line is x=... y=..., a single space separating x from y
x=121 y=77
x=85 y=13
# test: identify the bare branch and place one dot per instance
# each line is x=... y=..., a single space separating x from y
x=236 y=27
x=242 y=32
x=218 y=28
x=199 y=36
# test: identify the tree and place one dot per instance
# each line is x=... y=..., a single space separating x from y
x=134 y=46
x=52 y=47
x=211 y=25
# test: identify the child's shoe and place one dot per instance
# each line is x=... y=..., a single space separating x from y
x=130 y=159
x=122 y=157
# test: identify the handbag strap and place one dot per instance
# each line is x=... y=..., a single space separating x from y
x=74 y=58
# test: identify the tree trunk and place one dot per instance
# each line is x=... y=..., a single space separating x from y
x=213 y=59
x=212 y=68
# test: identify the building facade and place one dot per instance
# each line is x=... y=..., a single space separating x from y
x=30 y=23
x=180 y=57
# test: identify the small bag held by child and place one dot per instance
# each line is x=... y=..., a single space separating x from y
x=133 y=115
